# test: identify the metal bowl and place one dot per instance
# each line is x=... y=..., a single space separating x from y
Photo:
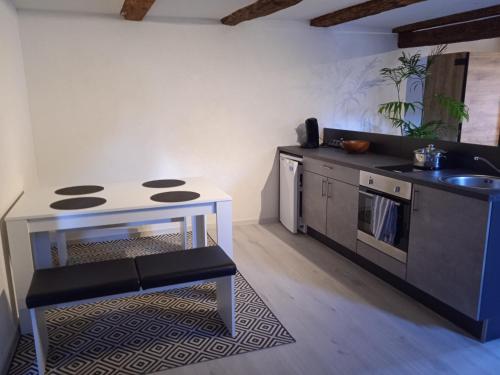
x=474 y=181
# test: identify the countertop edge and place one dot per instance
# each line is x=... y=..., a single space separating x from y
x=303 y=152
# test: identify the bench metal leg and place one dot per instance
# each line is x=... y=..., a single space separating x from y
x=199 y=231
x=40 y=337
x=226 y=303
x=62 y=249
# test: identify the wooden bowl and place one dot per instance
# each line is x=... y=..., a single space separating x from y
x=356 y=146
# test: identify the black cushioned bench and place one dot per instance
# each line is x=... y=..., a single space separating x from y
x=53 y=286
x=183 y=266
x=70 y=285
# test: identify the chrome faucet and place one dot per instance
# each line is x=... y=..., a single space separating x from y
x=486 y=161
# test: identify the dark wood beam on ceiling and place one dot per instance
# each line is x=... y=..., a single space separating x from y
x=135 y=10
x=362 y=10
x=461 y=32
x=258 y=9
x=451 y=19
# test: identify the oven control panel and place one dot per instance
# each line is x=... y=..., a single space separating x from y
x=387 y=185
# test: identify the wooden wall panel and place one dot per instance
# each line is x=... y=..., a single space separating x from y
x=483 y=98
x=446 y=77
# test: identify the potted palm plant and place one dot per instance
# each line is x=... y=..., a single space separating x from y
x=413 y=69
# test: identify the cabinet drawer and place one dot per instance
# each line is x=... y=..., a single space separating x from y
x=332 y=170
x=382 y=260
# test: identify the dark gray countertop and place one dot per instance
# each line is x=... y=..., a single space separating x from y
x=370 y=162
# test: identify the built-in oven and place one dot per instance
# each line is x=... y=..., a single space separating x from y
x=399 y=195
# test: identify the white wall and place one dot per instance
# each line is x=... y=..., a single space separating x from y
x=115 y=100
x=16 y=152
x=355 y=79
x=485 y=45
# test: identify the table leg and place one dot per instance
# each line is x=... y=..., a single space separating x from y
x=184 y=233
x=199 y=231
x=224 y=212
x=40 y=245
x=21 y=261
x=62 y=249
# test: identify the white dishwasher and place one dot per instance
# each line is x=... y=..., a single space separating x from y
x=291 y=192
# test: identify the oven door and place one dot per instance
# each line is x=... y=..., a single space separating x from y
x=399 y=248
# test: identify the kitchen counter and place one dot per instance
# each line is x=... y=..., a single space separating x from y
x=372 y=162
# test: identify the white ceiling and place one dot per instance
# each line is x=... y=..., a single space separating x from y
x=307 y=9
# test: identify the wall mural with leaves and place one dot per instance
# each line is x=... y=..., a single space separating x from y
x=356 y=88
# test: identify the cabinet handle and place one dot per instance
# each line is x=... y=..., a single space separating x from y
x=415 y=192
x=323 y=188
x=329 y=194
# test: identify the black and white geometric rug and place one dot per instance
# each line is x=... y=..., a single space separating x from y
x=148 y=333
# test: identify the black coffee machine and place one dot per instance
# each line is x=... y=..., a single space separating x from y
x=312 y=134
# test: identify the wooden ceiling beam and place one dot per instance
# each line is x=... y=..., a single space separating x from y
x=451 y=19
x=136 y=10
x=368 y=8
x=462 y=32
x=258 y=9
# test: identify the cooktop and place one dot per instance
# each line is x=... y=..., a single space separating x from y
x=402 y=168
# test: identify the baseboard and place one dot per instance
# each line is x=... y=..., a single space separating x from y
x=4 y=370
x=262 y=221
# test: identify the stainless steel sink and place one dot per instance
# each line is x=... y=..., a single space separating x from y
x=474 y=181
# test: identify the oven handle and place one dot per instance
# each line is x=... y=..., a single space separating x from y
x=365 y=193
x=373 y=195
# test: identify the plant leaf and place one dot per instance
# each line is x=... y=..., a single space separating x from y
x=455 y=108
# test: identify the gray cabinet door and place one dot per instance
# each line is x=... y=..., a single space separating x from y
x=447 y=247
x=342 y=213
x=314 y=201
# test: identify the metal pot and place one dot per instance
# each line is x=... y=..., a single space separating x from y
x=428 y=157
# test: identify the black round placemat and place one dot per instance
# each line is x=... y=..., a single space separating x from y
x=78 y=203
x=175 y=196
x=79 y=190
x=163 y=183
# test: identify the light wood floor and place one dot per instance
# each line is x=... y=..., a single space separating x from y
x=345 y=320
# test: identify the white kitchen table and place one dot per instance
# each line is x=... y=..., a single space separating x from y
x=32 y=219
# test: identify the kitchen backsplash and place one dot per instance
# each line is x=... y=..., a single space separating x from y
x=459 y=154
